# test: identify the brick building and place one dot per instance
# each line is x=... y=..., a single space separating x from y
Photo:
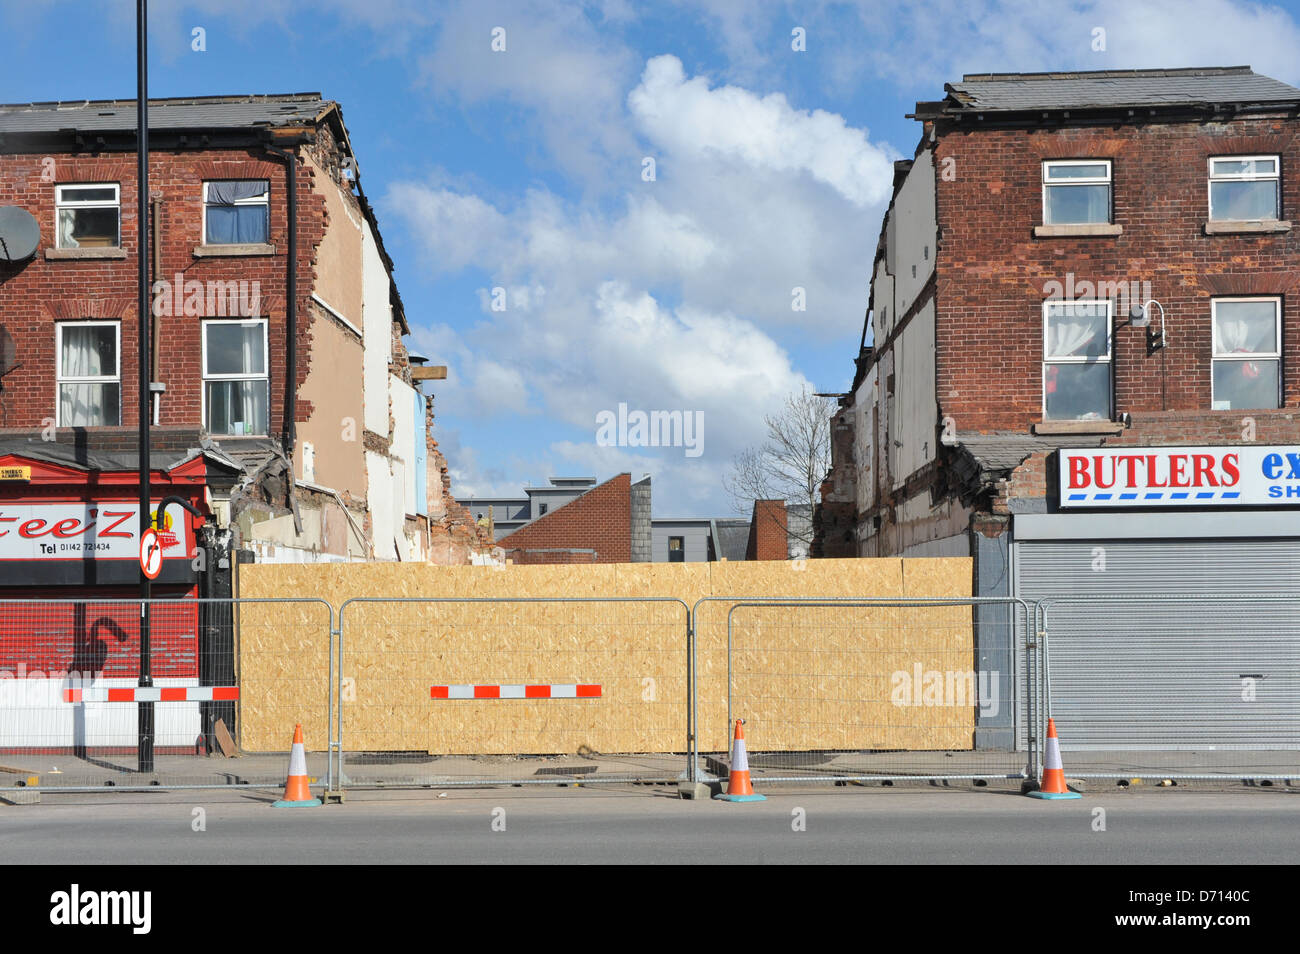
x=1083 y=338
x=607 y=523
x=576 y=520
x=289 y=379
x=286 y=409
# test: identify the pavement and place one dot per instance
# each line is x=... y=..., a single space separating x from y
x=637 y=824
x=1097 y=769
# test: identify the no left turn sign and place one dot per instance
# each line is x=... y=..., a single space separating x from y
x=150 y=554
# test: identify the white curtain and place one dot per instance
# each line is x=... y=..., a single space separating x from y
x=88 y=404
x=237 y=407
x=67 y=225
x=1234 y=333
x=254 y=392
x=1247 y=327
x=1071 y=328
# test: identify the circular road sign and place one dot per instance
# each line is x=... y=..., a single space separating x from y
x=150 y=553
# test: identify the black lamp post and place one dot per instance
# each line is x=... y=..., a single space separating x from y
x=145 y=724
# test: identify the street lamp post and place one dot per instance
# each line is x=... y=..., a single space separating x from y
x=145 y=723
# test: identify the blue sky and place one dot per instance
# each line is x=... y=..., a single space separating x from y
x=524 y=169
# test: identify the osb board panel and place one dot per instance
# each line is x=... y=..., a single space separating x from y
x=841 y=677
x=938 y=577
x=284 y=675
x=831 y=696
x=685 y=581
x=800 y=579
x=636 y=652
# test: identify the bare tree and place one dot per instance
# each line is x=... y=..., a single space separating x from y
x=791 y=464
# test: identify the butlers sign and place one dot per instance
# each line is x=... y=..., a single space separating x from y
x=1240 y=476
x=105 y=530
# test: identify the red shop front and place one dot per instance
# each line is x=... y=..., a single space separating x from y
x=69 y=546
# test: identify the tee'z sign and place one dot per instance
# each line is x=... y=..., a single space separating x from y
x=1243 y=476
x=77 y=531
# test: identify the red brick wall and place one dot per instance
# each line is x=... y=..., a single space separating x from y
x=992 y=270
x=1036 y=476
x=540 y=556
x=600 y=520
x=769 y=535
x=34 y=295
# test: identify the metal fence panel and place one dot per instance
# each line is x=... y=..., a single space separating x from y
x=845 y=689
x=1170 y=686
x=476 y=691
x=71 y=699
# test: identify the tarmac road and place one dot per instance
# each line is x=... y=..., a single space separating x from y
x=641 y=825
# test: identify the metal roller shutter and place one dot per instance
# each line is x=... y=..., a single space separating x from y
x=1130 y=673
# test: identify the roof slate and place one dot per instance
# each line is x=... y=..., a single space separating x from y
x=999 y=453
x=80 y=458
x=1007 y=92
x=204 y=112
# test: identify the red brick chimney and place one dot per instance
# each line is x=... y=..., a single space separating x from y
x=769 y=534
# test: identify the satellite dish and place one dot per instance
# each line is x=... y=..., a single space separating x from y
x=19 y=234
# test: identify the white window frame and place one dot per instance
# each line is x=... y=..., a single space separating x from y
x=1275 y=178
x=1109 y=360
x=60 y=380
x=1108 y=180
x=264 y=376
x=60 y=204
x=1216 y=355
x=264 y=200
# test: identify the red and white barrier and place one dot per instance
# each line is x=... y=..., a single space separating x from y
x=519 y=691
x=153 y=694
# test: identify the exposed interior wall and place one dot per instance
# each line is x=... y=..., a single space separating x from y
x=394 y=652
x=334 y=428
x=338 y=280
x=377 y=321
x=401 y=398
x=915 y=232
x=379 y=476
x=914 y=425
x=864 y=444
x=884 y=313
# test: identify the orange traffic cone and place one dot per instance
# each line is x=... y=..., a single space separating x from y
x=739 y=788
x=1053 y=784
x=297 y=791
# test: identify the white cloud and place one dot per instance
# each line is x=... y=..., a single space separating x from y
x=467 y=227
x=669 y=297
x=733 y=125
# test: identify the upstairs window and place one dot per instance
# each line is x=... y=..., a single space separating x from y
x=676 y=549
x=1247 y=353
x=1076 y=360
x=1245 y=188
x=234 y=377
x=88 y=358
x=236 y=212
x=1076 y=192
x=88 y=216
